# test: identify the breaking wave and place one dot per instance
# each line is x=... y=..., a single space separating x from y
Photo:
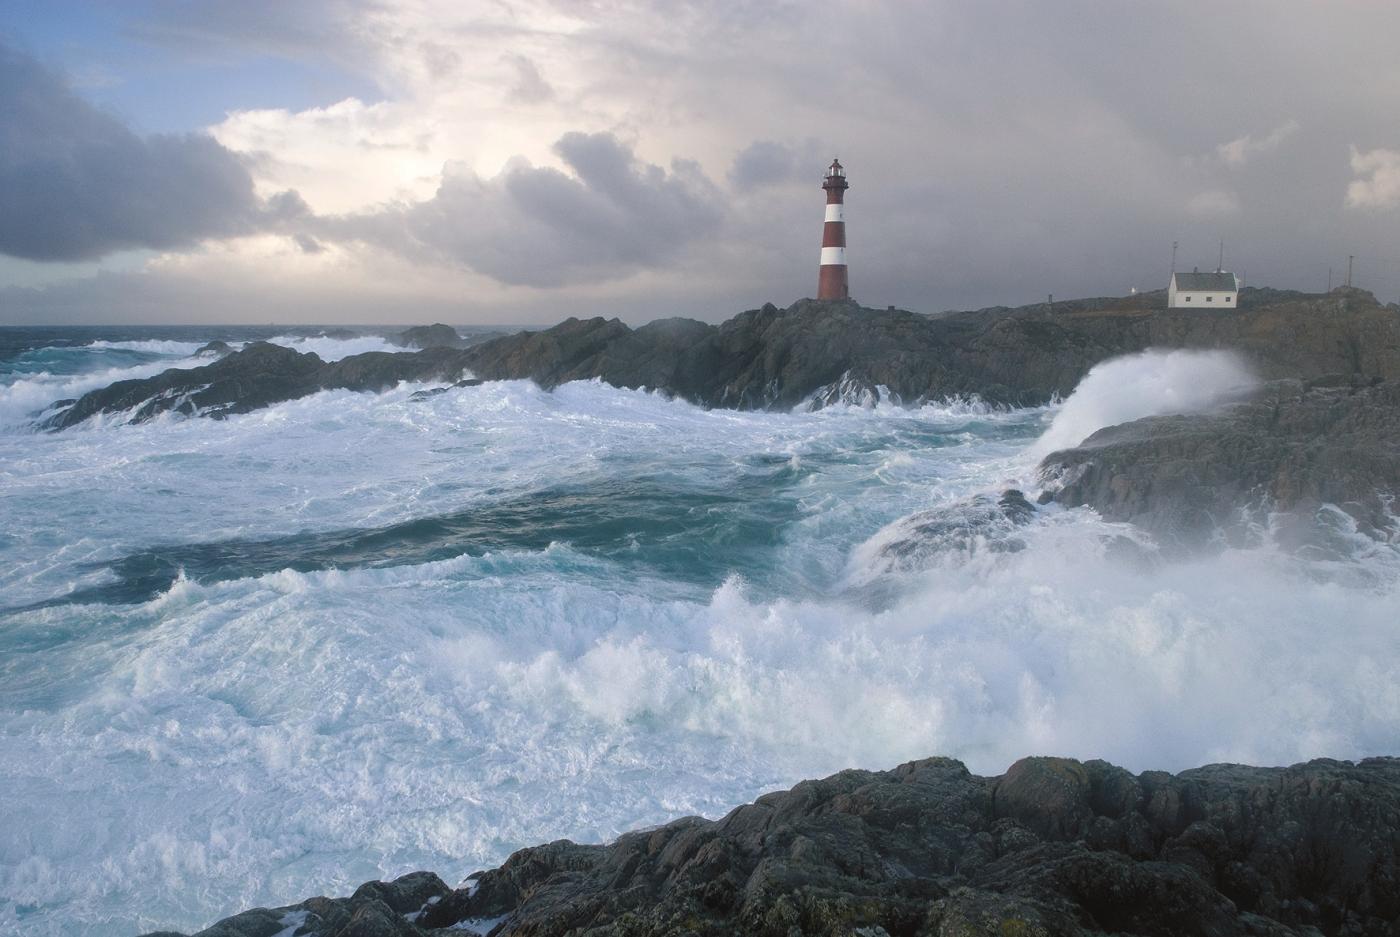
x=1152 y=383
x=353 y=635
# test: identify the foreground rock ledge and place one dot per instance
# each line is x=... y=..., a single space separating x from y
x=1052 y=847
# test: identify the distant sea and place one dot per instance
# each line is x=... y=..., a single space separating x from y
x=248 y=661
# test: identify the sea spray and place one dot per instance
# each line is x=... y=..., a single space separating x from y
x=1151 y=383
x=268 y=730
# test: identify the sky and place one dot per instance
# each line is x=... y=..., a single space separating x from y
x=495 y=162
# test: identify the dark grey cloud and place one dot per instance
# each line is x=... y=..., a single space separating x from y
x=767 y=162
x=998 y=152
x=77 y=184
x=610 y=215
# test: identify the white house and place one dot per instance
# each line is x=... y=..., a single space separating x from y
x=1196 y=290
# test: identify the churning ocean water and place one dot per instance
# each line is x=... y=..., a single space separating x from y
x=243 y=662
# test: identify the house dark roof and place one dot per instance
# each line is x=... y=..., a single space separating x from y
x=1213 y=282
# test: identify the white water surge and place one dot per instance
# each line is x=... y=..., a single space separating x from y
x=41 y=376
x=421 y=634
x=1152 y=383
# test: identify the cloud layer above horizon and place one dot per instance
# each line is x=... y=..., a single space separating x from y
x=398 y=161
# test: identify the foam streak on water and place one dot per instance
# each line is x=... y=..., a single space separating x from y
x=421 y=634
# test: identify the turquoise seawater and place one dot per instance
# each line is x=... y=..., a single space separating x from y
x=243 y=662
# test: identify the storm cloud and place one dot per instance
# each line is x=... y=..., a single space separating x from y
x=77 y=184
x=608 y=215
x=643 y=158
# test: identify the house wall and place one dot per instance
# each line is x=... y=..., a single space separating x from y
x=1201 y=299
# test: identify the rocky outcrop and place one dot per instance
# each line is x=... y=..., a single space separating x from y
x=821 y=352
x=259 y=375
x=214 y=349
x=919 y=540
x=1054 y=848
x=1314 y=460
x=436 y=335
x=818 y=353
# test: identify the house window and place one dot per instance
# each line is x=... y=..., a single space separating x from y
x=1228 y=298
x=1188 y=299
x=1210 y=299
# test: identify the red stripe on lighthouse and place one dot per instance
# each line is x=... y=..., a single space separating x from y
x=831 y=280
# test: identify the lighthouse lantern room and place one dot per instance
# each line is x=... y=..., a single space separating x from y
x=832 y=283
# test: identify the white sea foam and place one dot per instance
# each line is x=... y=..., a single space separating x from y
x=1151 y=383
x=166 y=347
x=333 y=349
x=23 y=397
x=90 y=367
x=330 y=348
x=257 y=740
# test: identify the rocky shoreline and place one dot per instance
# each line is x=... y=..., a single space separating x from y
x=1309 y=463
x=1055 y=846
x=808 y=355
x=1052 y=848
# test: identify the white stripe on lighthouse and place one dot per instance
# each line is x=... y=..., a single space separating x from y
x=836 y=213
x=833 y=255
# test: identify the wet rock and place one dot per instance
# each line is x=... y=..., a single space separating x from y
x=920 y=540
x=259 y=375
x=1311 y=462
x=1050 y=796
x=1054 y=847
x=436 y=335
x=436 y=391
x=214 y=349
x=815 y=353
x=406 y=894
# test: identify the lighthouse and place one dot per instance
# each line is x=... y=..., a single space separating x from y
x=832 y=283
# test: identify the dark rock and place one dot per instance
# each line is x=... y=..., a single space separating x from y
x=815 y=354
x=259 y=922
x=1323 y=456
x=1049 y=795
x=1054 y=847
x=436 y=335
x=406 y=894
x=214 y=349
x=376 y=909
x=374 y=918
x=259 y=375
x=978 y=523
x=823 y=352
x=435 y=391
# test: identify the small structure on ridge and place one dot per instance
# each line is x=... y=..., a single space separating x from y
x=1195 y=290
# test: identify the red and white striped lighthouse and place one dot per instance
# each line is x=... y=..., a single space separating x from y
x=832 y=283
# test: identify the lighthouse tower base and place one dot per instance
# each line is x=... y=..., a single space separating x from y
x=832 y=283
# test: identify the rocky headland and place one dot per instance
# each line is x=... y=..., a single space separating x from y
x=1307 y=462
x=810 y=354
x=1053 y=848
